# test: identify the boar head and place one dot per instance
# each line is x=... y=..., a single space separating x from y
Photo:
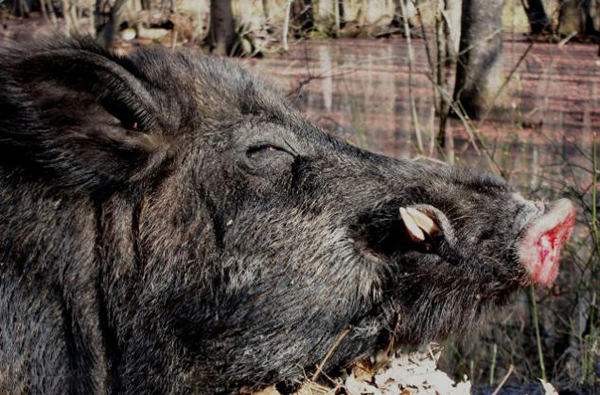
x=195 y=233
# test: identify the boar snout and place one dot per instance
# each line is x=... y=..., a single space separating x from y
x=544 y=237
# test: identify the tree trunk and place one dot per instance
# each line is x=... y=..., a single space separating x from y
x=302 y=16
x=479 y=74
x=446 y=60
x=222 y=27
x=341 y=13
x=22 y=8
x=593 y=17
x=107 y=33
x=452 y=14
x=579 y=17
x=43 y=9
x=51 y=13
x=398 y=20
x=66 y=5
x=570 y=18
x=539 y=22
x=336 y=18
x=286 y=24
x=266 y=10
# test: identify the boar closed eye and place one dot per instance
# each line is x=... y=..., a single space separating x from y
x=269 y=156
x=266 y=149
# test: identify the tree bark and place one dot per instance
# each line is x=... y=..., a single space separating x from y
x=539 y=22
x=66 y=5
x=452 y=15
x=593 y=17
x=286 y=24
x=22 y=8
x=570 y=18
x=303 y=19
x=398 y=19
x=479 y=73
x=266 y=10
x=107 y=33
x=341 y=13
x=222 y=27
x=336 y=18
x=579 y=17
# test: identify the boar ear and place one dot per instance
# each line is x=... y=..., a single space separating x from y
x=79 y=118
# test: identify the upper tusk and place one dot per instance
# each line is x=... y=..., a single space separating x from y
x=414 y=230
x=423 y=221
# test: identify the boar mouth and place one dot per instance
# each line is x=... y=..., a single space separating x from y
x=539 y=250
x=388 y=231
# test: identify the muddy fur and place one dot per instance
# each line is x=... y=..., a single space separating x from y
x=170 y=224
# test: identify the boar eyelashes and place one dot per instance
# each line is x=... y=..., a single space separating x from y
x=265 y=149
x=131 y=118
x=269 y=156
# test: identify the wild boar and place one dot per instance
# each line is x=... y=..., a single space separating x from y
x=169 y=223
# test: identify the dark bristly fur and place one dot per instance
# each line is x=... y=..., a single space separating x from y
x=170 y=224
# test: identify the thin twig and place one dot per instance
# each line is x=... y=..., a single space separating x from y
x=538 y=338
x=506 y=376
x=330 y=352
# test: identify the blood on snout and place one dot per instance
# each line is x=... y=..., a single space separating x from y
x=549 y=246
x=540 y=248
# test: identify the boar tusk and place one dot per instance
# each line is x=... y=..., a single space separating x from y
x=414 y=231
x=423 y=221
